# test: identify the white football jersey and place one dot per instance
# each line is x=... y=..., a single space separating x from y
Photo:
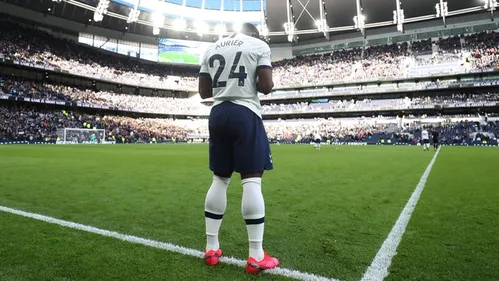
x=424 y=135
x=317 y=136
x=232 y=64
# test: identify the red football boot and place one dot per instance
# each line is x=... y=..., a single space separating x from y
x=211 y=257
x=255 y=267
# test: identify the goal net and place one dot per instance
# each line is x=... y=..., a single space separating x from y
x=80 y=136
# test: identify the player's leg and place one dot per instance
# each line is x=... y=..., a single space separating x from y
x=251 y=158
x=253 y=211
x=216 y=199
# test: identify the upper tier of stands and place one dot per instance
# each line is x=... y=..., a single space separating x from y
x=39 y=48
x=477 y=52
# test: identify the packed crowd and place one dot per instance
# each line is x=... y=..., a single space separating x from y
x=52 y=92
x=39 y=48
x=386 y=61
x=340 y=66
x=475 y=52
x=28 y=123
x=25 y=123
x=454 y=133
x=33 y=124
x=193 y=106
x=454 y=100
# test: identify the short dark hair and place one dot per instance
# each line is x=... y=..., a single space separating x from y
x=250 y=30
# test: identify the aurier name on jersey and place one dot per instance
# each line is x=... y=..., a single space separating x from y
x=232 y=64
x=228 y=43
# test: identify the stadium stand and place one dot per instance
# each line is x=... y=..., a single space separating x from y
x=166 y=105
x=39 y=48
x=25 y=122
x=476 y=52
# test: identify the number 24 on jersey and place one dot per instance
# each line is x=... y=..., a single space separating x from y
x=241 y=75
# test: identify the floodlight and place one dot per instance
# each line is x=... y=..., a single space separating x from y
x=289 y=28
x=180 y=24
x=98 y=17
x=490 y=5
x=133 y=15
x=237 y=26
x=155 y=30
x=437 y=9
x=321 y=25
x=263 y=29
x=220 y=28
x=201 y=27
x=157 y=18
x=445 y=8
x=100 y=10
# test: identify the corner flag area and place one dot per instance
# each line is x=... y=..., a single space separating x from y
x=135 y=212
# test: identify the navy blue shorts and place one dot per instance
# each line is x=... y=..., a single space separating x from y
x=238 y=141
x=426 y=141
x=317 y=141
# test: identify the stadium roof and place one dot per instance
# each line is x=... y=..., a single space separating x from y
x=338 y=13
x=230 y=5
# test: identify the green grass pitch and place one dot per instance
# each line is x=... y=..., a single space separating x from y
x=178 y=57
x=327 y=212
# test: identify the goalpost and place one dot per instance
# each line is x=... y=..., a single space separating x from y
x=81 y=136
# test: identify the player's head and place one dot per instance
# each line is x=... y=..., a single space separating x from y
x=250 y=30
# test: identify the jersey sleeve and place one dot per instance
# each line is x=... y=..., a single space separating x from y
x=204 y=64
x=264 y=56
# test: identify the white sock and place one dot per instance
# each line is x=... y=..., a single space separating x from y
x=253 y=210
x=214 y=209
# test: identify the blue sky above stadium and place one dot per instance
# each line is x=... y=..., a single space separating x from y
x=230 y=5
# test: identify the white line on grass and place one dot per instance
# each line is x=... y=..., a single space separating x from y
x=378 y=269
x=291 y=273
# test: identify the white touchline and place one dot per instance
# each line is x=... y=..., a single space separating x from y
x=291 y=273
x=378 y=269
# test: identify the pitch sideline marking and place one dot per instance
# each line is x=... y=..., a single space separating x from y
x=378 y=270
x=291 y=273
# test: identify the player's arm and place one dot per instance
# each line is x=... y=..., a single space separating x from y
x=264 y=82
x=205 y=84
